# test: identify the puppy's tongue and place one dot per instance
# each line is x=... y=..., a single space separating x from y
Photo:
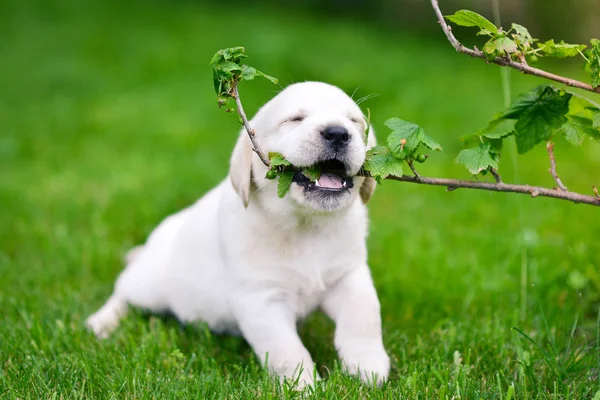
x=330 y=181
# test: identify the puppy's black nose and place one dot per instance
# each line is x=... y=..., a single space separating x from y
x=336 y=136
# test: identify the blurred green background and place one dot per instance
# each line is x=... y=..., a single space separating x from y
x=108 y=123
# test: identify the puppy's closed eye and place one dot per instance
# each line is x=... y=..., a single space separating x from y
x=296 y=118
x=358 y=121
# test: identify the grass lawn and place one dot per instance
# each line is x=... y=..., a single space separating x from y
x=108 y=123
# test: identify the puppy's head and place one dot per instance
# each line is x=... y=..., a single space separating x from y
x=311 y=124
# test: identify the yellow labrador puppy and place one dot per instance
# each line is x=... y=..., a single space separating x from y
x=247 y=262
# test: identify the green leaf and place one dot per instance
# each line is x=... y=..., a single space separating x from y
x=506 y=45
x=478 y=159
x=233 y=54
x=592 y=64
x=596 y=120
x=284 y=183
x=313 y=173
x=227 y=68
x=539 y=113
x=277 y=159
x=485 y=32
x=429 y=142
x=500 y=46
x=496 y=129
x=522 y=35
x=269 y=77
x=576 y=128
x=380 y=163
x=535 y=127
x=406 y=137
x=470 y=18
x=248 y=73
x=583 y=107
x=542 y=97
x=227 y=71
x=561 y=49
x=573 y=133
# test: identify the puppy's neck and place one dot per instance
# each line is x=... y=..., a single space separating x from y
x=300 y=220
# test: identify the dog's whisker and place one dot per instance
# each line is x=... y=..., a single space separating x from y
x=367 y=97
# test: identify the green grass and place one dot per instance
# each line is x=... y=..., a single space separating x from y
x=108 y=123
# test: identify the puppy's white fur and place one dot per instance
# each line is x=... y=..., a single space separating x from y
x=257 y=270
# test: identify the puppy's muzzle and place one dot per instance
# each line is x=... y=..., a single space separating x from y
x=336 y=137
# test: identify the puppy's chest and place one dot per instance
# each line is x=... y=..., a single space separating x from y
x=302 y=269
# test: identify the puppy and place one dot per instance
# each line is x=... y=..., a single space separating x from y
x=247 y=262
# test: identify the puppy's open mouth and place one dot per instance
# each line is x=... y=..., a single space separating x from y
x=333 y=178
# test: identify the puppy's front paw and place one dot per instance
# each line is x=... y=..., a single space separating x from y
x=372 y=365
x=101 y=324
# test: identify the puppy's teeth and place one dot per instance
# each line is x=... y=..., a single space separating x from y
x=317 y=184
x=344 y=184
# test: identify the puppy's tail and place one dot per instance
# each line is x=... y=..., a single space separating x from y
x=132 y=254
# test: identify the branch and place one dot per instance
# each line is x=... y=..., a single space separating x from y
x=533 y=191
x=552 y=169
x=506 y=62
x=255 y=146
x=450 y=184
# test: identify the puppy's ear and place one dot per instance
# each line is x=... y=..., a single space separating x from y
x=368 y=187
x=240 y=167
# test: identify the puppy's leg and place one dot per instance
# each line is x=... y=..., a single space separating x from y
x=270 y=328
x=107 y=318
x=354 y=307
x=138 y=285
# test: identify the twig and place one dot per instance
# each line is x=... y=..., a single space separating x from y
x=506 y=62
x=533 y=191
x=596 y=192
x=552 y=170
x=413 y=169
x=255 y=146
x=496 y=175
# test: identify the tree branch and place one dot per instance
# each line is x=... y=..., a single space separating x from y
x=255 y=146
x=507 y=62
x=450 y=184
x=552 y=169
x=533 y=191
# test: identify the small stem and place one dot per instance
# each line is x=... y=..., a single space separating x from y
x=596 y=191
x=507 y=62
x=413 y=169
x=255 y=146
x=496 y=175
x=552 y=170
x=583 y=55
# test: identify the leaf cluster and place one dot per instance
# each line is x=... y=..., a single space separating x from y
x=532 y=118
x=402 y=146
x=592 y=64
x=282 y=168
x=518 y=44
x=228 y=71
